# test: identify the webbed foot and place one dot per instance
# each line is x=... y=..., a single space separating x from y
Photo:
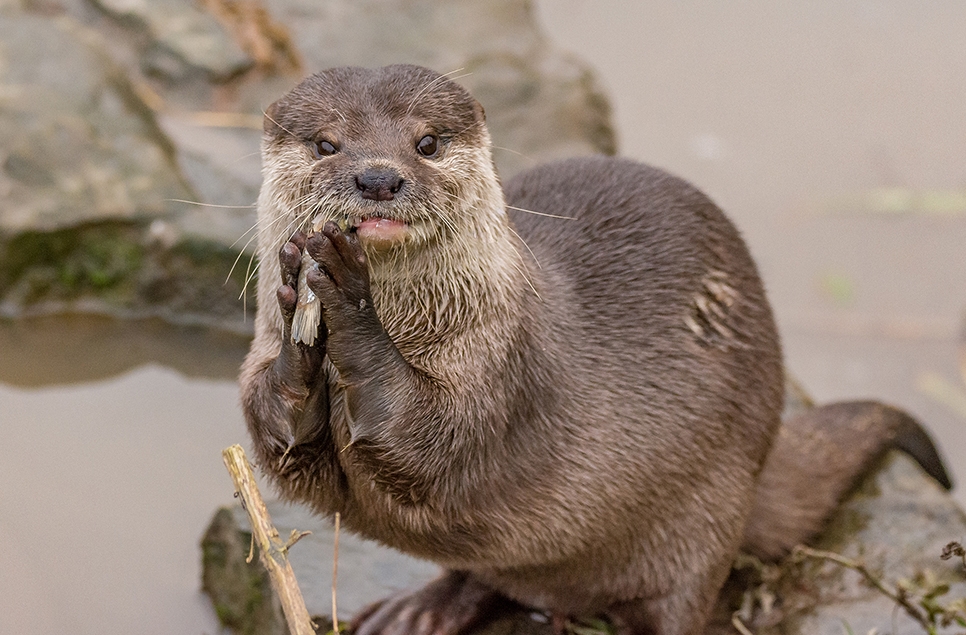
x=450 y=605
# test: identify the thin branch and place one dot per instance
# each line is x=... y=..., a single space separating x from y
x=898 y=597
x=272 y=551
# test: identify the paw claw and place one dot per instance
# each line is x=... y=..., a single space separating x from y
x=287 y=298
x=290 y=261
x=298 y=238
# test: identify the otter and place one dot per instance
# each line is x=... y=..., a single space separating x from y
x=568 y=394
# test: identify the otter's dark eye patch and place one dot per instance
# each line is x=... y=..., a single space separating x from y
x=428 y=146
x=323 y=148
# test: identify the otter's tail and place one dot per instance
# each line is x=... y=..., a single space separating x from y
x=817 y=458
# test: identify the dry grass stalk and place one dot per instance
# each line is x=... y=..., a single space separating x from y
x=335 y=572
x=739 y=625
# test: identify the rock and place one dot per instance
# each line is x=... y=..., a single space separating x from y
x=541 y=104
x=367 y=571
x=124 y=268
x=144 y=127
x=180 y=39
x=245 y=601
x=240 y=592
x=92 y=220
x=897 y=522
x=76 y=142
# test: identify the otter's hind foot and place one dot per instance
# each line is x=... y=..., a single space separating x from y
x=450 y=605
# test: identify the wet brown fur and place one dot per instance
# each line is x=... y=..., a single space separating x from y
x=571 y=411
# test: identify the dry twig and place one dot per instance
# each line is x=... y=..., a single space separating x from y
x=900 y=598
x=272 y=551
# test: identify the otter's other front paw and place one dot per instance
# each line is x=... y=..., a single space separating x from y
x=290 y=262
x=451 y=605
x=296 y=362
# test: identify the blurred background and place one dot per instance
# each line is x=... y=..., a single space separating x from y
x=831 y=132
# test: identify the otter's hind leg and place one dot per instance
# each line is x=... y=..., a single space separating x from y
x=450 y=605
x=683 y=610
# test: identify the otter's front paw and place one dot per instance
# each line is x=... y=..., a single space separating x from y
x=450 y=605
x=342 y=283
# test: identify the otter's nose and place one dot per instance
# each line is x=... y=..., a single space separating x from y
x=379 y=184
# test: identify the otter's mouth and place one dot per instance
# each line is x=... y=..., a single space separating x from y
x=379 y=229
x=375 y=229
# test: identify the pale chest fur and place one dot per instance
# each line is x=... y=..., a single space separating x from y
x=451 y=325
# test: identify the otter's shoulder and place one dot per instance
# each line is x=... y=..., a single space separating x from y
x=600 y=190
x=591 y=174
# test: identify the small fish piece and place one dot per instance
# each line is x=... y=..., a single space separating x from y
x=308 y=307
x=343 y=224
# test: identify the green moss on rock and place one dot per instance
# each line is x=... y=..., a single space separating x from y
x=66 y=263
x=240 y=591
x=115 y=267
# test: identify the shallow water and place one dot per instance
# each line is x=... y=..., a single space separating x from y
x=808 y=124
x=106 y=487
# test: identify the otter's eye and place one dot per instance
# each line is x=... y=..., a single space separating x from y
x=323 y=148
x=428 y=145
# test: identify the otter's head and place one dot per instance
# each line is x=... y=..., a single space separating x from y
x=398 y=154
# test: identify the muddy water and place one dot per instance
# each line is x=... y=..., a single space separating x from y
x=832 y=133
x=109 y=472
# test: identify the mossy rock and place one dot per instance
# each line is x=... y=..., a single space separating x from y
x=122 y=268
x=240 y=591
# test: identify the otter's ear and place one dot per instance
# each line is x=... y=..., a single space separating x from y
x=270 y=124
x=478 y=108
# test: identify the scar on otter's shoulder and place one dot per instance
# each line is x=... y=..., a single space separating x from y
x=709 y=316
